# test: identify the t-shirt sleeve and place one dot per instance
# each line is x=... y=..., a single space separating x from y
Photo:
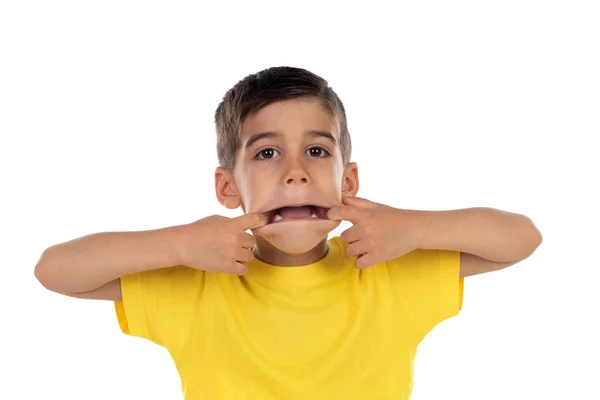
x=430 y=287
x=157 y=305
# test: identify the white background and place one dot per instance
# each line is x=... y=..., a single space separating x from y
x=106 y=117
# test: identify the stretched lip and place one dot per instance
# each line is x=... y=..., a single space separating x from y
x=317 y=212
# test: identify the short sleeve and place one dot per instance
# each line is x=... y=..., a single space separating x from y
x=157 y=305
x=430 y=287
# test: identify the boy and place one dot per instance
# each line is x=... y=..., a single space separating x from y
x=286 y=312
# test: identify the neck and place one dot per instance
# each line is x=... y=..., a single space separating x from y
x=269 y=254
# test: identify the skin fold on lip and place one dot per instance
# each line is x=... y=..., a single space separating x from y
x=320 y=212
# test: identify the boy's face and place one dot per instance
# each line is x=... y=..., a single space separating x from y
x=289 y=167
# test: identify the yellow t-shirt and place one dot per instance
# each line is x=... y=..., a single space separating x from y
x=322 y=331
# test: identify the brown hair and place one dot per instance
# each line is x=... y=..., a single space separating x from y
x=268 y=86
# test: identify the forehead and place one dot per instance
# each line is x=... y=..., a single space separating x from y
x=290 y=117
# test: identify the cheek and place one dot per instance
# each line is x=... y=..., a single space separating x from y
x=255 y=190
x=330 y=180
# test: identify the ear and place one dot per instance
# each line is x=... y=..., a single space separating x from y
x=350 y=181
x=226 y=190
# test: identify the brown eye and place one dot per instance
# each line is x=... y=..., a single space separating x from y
x=266 y=154
x=317 y=152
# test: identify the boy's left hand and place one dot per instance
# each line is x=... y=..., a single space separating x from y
x=379 y=232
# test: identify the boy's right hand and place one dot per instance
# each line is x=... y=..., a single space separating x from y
x=218 y=243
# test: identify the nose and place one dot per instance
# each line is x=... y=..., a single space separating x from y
x=296 y=173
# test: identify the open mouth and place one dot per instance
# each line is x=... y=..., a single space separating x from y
x=307 y=212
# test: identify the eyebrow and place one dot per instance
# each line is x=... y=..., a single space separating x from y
x=268 y=135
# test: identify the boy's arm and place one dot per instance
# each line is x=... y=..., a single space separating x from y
x=110 y=291
x=488 y=239
x=90 y=266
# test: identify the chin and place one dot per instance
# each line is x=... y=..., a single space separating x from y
x=296 y=237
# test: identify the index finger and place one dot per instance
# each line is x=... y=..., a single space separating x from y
x=346 y=213
x=251 y=220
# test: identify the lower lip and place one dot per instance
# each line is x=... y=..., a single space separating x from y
x=298 y=219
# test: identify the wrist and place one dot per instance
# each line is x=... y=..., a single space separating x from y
x=424 y=229
x=176 y=237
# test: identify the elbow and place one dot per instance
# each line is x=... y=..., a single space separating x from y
x=537 y=237
x=42 y=271
x=55 y=272
x=47 y=273
x=533 y=239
